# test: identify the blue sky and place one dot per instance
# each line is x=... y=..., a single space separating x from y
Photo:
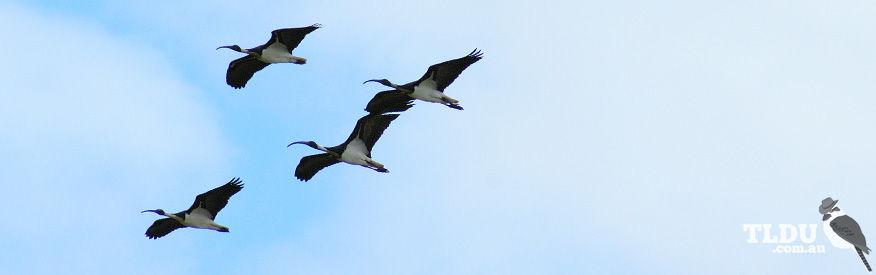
x=598 y=137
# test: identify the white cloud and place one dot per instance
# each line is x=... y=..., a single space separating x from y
x=95 y=130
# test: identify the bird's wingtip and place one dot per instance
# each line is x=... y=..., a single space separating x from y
x=476 y=53
x=236 y=181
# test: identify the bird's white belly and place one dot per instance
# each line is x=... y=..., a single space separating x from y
x=427 y=94
x=835 y=239
x=276 y=54
x=198 y=221
x=355 y=153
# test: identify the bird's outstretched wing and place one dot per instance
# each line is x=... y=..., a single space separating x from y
x=162 y=227
x=241 y=70
x=371 y=127
x=309 y=165
x=214 y=200
x=389 y=101
x=446 y=72
x=291 y=37
x=848 y=229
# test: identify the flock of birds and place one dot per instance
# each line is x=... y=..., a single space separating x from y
x=356 y=150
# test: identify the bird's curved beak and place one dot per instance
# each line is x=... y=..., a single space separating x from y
x=297 y=142
x=144 y=211
x=227 y=47
x=372 y=80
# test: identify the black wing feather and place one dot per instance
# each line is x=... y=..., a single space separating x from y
x=309 y=165
x=242 y=69
x=162 y=227
x=372 y=128
x=446 y=72
x=389 y=101
x=369 y=128
x=848 y=229
x=214 y=200
x=291 y=37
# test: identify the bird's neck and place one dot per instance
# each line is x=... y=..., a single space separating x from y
x=175 y=217
x=253 y=53
x=332 y=152
x=833 y=215
x=321 y=148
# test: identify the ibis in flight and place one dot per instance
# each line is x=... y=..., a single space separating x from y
x=431 y=86
x=277 y=50
x=199 y=215
x=356 y=150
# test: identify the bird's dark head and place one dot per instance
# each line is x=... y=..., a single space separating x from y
x=382 y=81
x=233 y=47
x=156 y=211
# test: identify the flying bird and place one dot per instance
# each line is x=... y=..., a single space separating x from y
x=842 y=230
x=356 y=150
x=431 y=86
x=199 y=215
x=277 y=50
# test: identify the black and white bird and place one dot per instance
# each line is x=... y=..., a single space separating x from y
x=356 y=150
x=431 y=86
x=199 y=215
x=277 y=50
x=843 y=231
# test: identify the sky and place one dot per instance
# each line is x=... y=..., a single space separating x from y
x=597 y=138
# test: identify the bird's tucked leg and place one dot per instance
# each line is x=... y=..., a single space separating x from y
x=449 y=100
x=298 y=60
x=376 y=166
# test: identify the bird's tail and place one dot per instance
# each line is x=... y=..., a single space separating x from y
x=860 y=253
